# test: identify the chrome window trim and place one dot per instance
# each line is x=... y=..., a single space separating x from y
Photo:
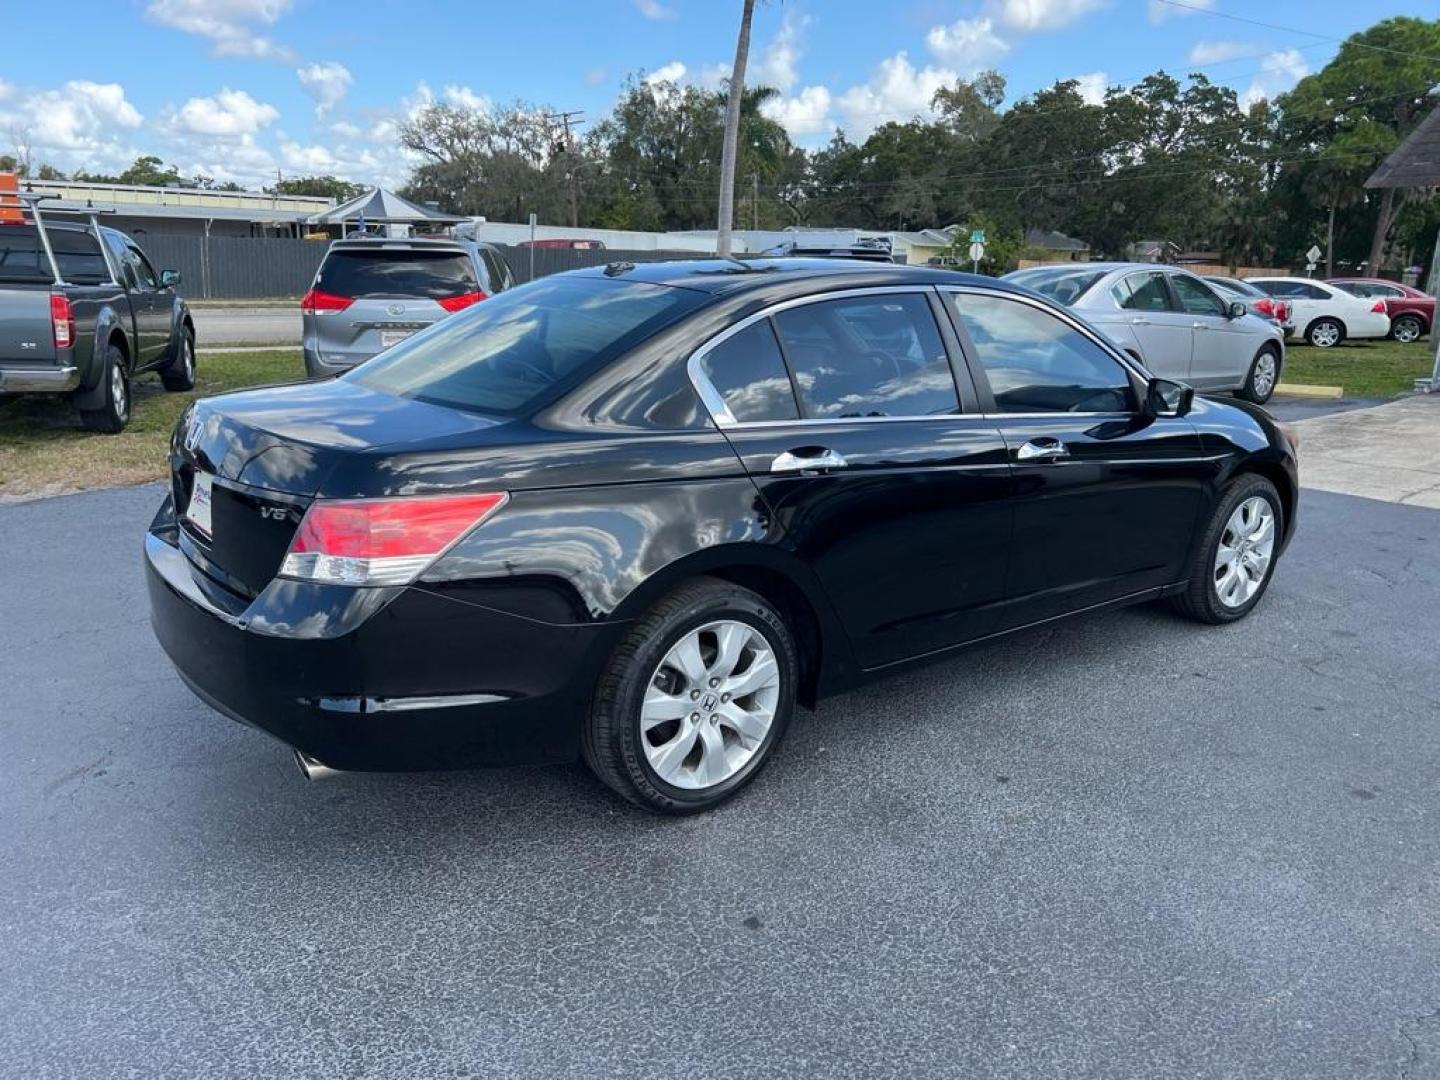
x=720 y=412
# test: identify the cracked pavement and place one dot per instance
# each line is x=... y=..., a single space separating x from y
x=1125 y=847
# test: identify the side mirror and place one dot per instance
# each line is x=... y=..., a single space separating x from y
x=1166 y=398
x=1236 y=310
x=169 y=278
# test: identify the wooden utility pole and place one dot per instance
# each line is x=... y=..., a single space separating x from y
x=732 y=134
x=574 y=116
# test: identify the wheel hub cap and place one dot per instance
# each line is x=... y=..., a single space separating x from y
x=710 y=704
x=1242 y=558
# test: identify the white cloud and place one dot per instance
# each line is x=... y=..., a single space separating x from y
x=1279 y=71
x=462 y=97
x=327 y=82
x=230 y=112
x=1159 y=11
x=713 y=76
x=345 y=129
x=653 y=9
x=6 y=89
x=896 y=91
x=229 y=24
x=1031 y=15
x=1217 y=52
x=672 y=72
x=79 y=116
x=596 y=76
x=1092 y=87
x=805 y=114
x=779 y=62
x=970 y=44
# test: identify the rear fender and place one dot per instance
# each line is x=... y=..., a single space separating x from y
x=108 y=325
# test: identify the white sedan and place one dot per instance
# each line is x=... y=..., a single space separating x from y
x=1324 y=315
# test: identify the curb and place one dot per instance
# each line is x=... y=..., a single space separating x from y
x=1310 y=391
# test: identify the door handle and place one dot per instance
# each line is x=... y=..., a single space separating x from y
x=1139 y=320
x=1199 y=326
x=1042 y=449
x=804 y=458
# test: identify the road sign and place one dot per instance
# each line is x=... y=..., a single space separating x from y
x=1313 y=255
x=977 y=252
x=1310 y=269
x=977 y=236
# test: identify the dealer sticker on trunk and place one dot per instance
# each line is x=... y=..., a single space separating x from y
x=198 y=512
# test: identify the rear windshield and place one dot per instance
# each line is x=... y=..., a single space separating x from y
x=403 y=273
x=22 y=258
x=505 y=354
x=1235 y=285
x=1066 y=285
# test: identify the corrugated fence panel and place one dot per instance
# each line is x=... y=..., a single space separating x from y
x=241 y=267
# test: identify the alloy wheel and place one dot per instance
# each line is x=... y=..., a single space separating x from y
x=1325 y=335
x=710 y=704
x=118 y=392
x=1406 y=330
x=1264 y=380
x=1243 y=556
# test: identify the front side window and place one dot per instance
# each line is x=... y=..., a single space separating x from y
x=865 y=356
x=1142 y=292
x=749 y=373
x=1195 y=298
x=143 y=270
x=505 y=355
x=1036 y=362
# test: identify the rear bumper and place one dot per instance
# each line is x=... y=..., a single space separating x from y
x=29 y=380
x=374 y=679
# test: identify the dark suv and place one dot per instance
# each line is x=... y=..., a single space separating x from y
x=371 y=293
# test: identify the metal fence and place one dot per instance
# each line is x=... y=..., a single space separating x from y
x=242 y=268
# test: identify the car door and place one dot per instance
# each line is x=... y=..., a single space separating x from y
x=1107 y=496
x=1222 y=352
x=1165 y=333
x=151 y=303
x=845 y=410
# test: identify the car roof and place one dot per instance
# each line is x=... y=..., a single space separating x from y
x=730 y=277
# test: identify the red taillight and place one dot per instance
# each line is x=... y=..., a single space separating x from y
x=62 y=320
x=464 y=300
x=315 y=300
x=1378 y=306
x=381 y=541
x=1282 y=310
x=1265 y=306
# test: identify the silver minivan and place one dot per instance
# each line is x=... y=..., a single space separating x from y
x=373 y=292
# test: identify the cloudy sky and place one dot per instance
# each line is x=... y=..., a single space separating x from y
x=241 y=89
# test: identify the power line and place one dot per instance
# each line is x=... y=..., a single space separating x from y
x=1296 y=30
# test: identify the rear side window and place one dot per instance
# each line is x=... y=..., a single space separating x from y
x=1036 y=362
x=360 y=273
x=22 y=258
x=868 y=356
x=504 y=355
x=749 y=373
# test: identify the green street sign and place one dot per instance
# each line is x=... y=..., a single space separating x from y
x=977 y=236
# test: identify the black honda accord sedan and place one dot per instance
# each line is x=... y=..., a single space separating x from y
x=638 y=513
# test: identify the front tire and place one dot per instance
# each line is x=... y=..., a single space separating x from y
x=1325 y=333
x=1235 y=559
x=1407 y=328
x=179 y=374
x=1264 y=374
x=693 y=701
x=114 y=414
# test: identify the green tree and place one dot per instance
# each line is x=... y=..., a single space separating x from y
x=328 y=187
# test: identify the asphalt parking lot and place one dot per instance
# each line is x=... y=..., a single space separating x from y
x=1123 y=847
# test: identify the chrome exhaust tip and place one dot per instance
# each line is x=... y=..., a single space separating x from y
x=312 y=769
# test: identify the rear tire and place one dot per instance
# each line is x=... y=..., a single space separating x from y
x=1325 y=333
x=1407 y=328
x=1264 y=375
x=179 y=374
x=1204 y=598
x=114 y=414
x=708 y=760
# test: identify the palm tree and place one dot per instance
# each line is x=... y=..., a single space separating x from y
x=732 y=133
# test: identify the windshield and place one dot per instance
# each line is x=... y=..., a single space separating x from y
x=1064 y=284
x=505 y=354
x=360 y=273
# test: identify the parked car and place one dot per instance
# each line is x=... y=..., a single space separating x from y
x=1255 y=301
x=564 y=245
x=83 y=313
x=1324 y=315
x=637 y=513
x=1411 y=311
x=371 y=293
x=1170 y=320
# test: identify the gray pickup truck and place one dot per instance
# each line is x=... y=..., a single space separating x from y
x=82 y=312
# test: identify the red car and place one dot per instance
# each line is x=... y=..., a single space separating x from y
x=1412 y=312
